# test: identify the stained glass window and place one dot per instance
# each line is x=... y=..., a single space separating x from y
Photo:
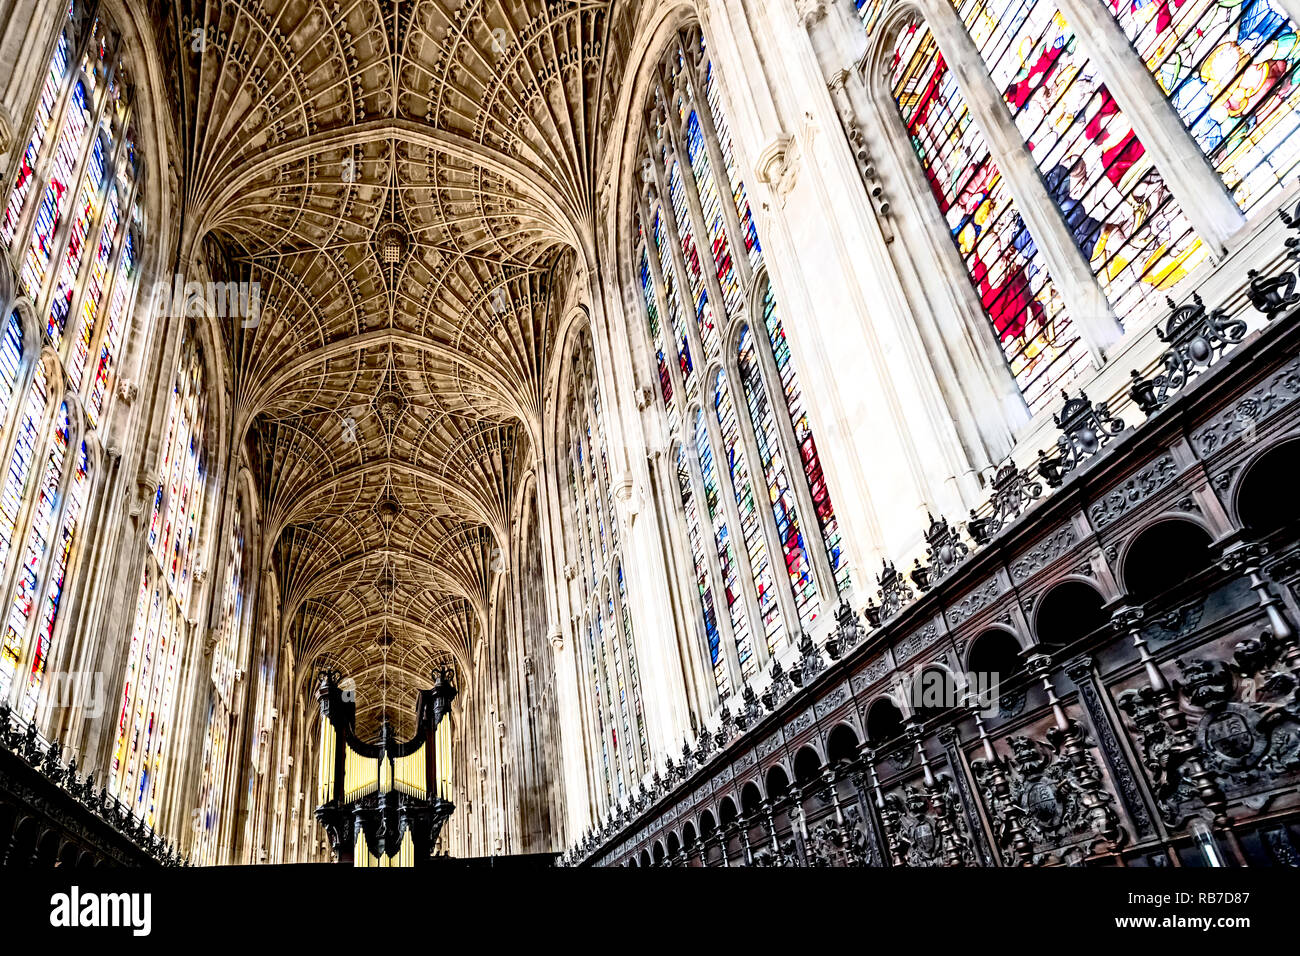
x=656 y=331
x=27 y=590
x=119 y=303
x=71 y=201
x=221 y=707
x=722 y=541
x=1001 y=258
x=869 y=11
x=1118 y=208
x=805 y=444
x=57 y=576
x=674 y=309
x=750 y=517
x=1229 y=67
x=20 y=461
x=165 y=591
x=702 y=578
x=45 y=115
x=698 y=243
x=626 y=615
x=11 y=360
x=780 y=495
x=615 y=687
x=65 y=228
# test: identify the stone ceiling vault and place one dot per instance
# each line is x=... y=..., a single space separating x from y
x=401 y=177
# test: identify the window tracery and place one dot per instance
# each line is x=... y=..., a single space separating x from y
x=73 y=224
x=167 y=601
x=748 y=472
x=613 y=680
x=1225 y=69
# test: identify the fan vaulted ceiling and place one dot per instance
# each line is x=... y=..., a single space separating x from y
x=402 y=179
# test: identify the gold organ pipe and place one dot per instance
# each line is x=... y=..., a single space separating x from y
x=410 y=775
x=442 y=763
x=325 y=772
x=360 y=775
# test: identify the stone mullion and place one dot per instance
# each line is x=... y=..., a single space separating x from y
x=1199 y=190
x=1086 y=302
x=699 y=101
x=640 y=765
x=86 y=603
x=696 y=346
x=823 y=574
x=574 y=778
x=701 y=688
x=184 y=743
x=589 y=598
x=523 y=657
x=589 y=696
x=739 y=546
x=721 y=609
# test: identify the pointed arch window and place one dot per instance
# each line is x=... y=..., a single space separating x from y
x=703 y=579
x=168 y=597
x=1226 y=68
x=46 y=107
x=1229 y=69
x=23 y=602
x=1015 y=287
x=750 y=516
x=72 y=223
x=221 y=703
x=776 y=478
x=11 y=362
x=46 y=490
x=616 y=715
x=1117 y=206
x=745 y=486
x=72 y=519
x=22 y=456
x=724 y=545
x=73 y=220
